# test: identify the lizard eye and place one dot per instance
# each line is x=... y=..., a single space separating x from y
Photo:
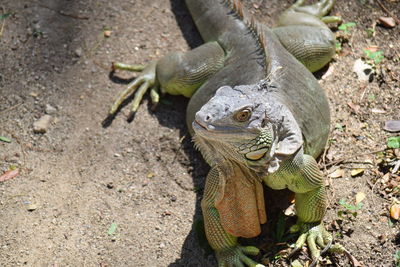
x=243 y=115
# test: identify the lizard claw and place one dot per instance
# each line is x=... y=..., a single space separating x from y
x=315 y=235
x=236 y=256
x=145 y=81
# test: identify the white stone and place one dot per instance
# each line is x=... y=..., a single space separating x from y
x=42 y=124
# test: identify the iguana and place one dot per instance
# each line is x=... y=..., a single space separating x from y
x=257 y=114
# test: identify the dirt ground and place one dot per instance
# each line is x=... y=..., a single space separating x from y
x=128 y=194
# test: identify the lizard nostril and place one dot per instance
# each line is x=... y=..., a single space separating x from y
x=208 y=118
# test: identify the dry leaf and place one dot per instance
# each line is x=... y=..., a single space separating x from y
x=9 y=175
x=378 y=111
x=372 y=48
x=34 y=94
x=107 y=33
x=360 y=196
x=328 y=72
x=392 y=126
x=387 y=22
x=337 y=173
x=395 y=211
x=355 y=108
x=356 y=172
x=385 y=178
x=290 y=211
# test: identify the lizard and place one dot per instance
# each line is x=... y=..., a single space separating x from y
x=256 y=113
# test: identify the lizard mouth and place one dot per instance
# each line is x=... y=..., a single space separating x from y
x=256 y=155
x=199 y=126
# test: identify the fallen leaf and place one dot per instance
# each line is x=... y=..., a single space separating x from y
x=3 y=16
x=296 y=263
x=393 y=142
x=328 y=72
x=9 y=175
x=354 y=107
x=387 y=22
x=5 y=139
x=396 y=167
x=353 y=260
x=290 y=211
x=392 y=126
x=385 y=178
x=356 y=172
x=378 y=111
x=360 y=196
x=372 y=48
x=112 y=229
x=34 y=94
x=395 y=211
x=337 y=173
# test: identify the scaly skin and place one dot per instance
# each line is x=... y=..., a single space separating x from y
x=291 y=115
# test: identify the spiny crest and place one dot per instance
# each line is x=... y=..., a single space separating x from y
x=203 y=148
x=250 y=21
x=268 y=84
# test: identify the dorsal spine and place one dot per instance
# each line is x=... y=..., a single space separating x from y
x=237 y=7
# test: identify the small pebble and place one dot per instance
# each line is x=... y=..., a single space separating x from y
x=50 y=109
x=363 y=70
x=107 y=33
x=32 y=207
x=78 y=52
x=387 y=22
x=42 y=124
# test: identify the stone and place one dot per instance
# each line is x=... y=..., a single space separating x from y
x=50 y=109
x=387 y=22
x=42 y=125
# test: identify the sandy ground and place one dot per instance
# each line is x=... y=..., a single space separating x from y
x=80 y=179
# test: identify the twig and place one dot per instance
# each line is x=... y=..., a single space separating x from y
x=349 y=158
x=179 y=149
x=372 y=189
x=19 y=142
x=396 y=167
x=327 y=147
x=388 y=12
x=62 y=13
x=353 y=260
x=10 y=108
x=4 y=22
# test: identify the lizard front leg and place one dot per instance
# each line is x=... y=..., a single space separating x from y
x=227 y=249
x=301 y=175
x=176 y=74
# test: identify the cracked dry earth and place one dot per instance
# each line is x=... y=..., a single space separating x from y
x=79 y=180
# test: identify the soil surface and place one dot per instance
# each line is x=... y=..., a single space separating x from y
x=128 y=194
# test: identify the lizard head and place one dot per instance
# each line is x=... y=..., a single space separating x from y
x=235 y=122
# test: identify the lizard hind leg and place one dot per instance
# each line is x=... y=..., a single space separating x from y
x=311 y=15
x=319 y=9
x=303 y=32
